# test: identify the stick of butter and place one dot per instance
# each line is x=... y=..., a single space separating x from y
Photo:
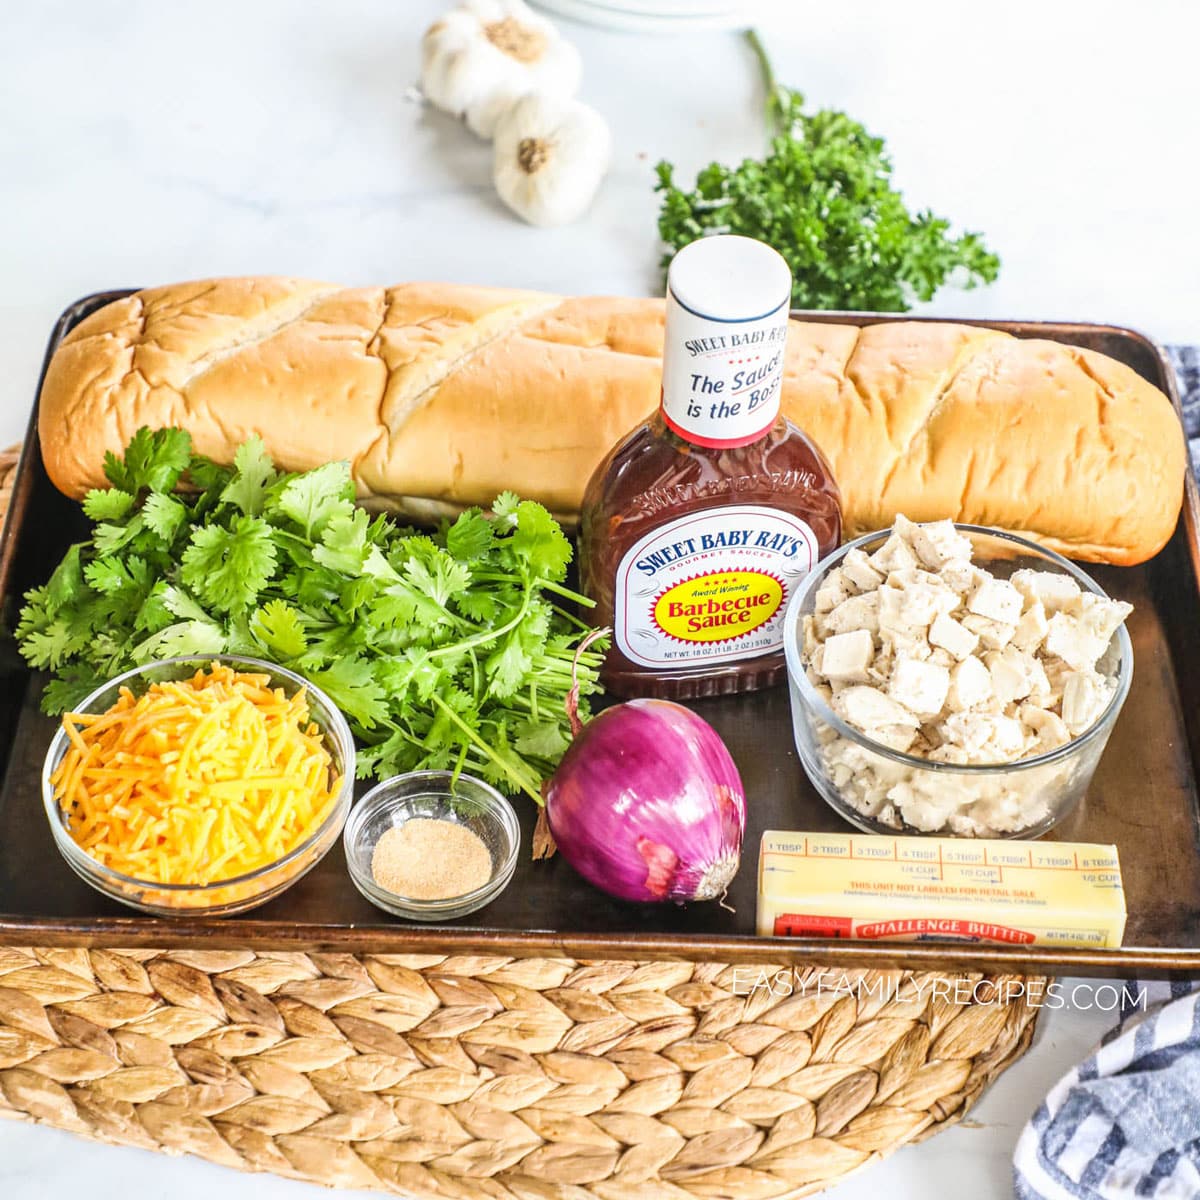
x=945 y=889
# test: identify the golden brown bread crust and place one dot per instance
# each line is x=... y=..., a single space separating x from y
x=441 y=395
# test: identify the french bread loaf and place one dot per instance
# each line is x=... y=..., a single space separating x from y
x=442 y=395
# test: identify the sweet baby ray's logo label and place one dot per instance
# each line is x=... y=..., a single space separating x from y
x=710 y=587
x=718 y=605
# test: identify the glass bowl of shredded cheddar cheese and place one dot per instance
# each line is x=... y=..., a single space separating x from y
x=199 y=785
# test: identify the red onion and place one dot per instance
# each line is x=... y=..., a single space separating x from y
x=647 y=804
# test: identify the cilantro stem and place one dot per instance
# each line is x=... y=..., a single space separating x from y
x=487 y=635
x=558 y=590
x=545 y=584
x=570 y=616
x=508 y=768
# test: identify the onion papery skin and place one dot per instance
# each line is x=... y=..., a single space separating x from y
x=648 y=805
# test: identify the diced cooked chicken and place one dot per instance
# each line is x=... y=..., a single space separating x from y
x=947 y=633
x=834 y=589
x=923 y=651
x=935 y=543
x=861 y=572
x=1071 y=640
x=1055 y=591
x=970 y=685
x=920 y=686
x=993 y=635
x=894 y=555
x=857 y=612
x=1031 y=629
x=997 y=600
x=846 y=656
x=1085 y=697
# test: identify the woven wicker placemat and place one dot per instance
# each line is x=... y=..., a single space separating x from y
x=498 y=1078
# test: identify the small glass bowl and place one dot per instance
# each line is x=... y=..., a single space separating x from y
x=437 y=795
x=854 y=774
x=223 y=897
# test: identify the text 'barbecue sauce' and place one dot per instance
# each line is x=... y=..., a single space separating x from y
x=698 y=526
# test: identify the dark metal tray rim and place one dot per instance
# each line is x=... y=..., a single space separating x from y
x=248 y=933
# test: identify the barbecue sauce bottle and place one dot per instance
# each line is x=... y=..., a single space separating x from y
x=698 y=526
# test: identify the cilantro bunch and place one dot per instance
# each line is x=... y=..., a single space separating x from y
x=823 y=197
x=448 y=651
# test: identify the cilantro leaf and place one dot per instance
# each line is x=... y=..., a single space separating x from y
x=182 y=638
x=164 y=515
x=154 y=459
x=110 y=576
x=227 y=568
x=478 y=606
x=254 y=474
x=442 y=649
x=110 y=538
x=181 y=604
x=107 y=504
x=508 y=667
x=505 y=507
x=280 y=629
x=71 y=686
x=434 y=573
x=313 y=499
x=470 y=537
x=50 y=646
x=343 y=545
x=541 y=739
x=539 y=542
x=209 y=477
x=350 y=685
x=66 y=584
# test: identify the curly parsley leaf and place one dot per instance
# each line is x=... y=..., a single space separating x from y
x=823 y=197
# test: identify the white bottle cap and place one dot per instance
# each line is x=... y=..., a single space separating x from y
x=726 y=329
x=729 y=278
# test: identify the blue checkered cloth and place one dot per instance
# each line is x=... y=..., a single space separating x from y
x=1126 y=1121
x=1186 y=361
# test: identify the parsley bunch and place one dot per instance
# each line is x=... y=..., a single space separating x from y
x=443 y=651
x=823 y=197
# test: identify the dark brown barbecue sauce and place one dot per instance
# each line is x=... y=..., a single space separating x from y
x=698 y=526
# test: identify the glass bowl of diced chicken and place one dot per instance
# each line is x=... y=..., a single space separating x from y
x=953 y=679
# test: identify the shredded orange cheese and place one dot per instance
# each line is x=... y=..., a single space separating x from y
x=197 y=780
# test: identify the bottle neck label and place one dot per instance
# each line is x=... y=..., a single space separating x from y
x=722 y=379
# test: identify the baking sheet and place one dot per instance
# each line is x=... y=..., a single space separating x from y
x=1144 y=798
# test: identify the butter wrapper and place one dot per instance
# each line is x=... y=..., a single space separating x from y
x=916 y=889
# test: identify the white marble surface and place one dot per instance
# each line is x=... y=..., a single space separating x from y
x=143 y=142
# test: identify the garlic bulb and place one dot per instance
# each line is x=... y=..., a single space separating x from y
x=550 y=156
x=481 y=56
x=484 y=114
